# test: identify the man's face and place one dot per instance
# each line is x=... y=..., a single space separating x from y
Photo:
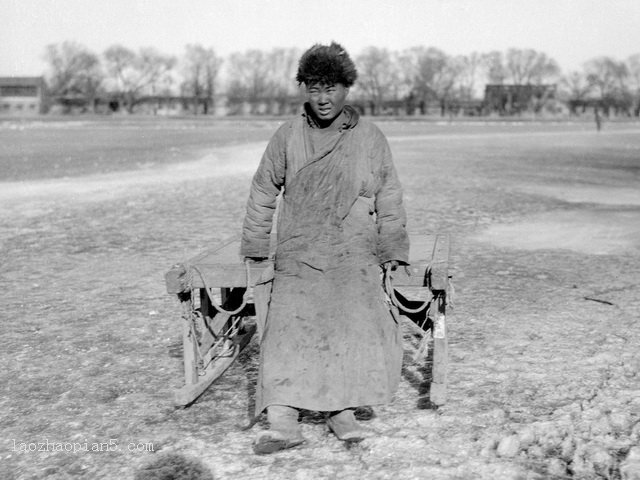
x=326 y=101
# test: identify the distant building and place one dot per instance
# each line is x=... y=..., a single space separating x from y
x=510 y=99
x=22 y=95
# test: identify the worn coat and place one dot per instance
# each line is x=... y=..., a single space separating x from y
x=330 y=341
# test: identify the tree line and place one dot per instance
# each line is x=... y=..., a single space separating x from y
x=410 y=79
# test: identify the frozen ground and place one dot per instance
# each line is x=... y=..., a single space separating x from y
x=544 y=362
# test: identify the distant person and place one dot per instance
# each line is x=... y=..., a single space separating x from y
x=330 y=343
x=598 y=120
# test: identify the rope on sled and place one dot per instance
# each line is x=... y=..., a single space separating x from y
x=218 y=307
x=388 y=287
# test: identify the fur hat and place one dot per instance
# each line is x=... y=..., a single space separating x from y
x=326 y=64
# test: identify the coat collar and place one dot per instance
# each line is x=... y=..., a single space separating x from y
x=346 y=120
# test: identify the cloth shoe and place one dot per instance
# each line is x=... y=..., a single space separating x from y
x=344 y=426
x=284 y=430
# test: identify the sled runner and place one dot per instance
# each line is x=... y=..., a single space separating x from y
x=223 y=305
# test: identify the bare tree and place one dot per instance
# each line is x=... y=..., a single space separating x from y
x=249 y=78
x=379 y=77
x=633 y=65
x=139 y=73
x=74 y=71
x=576 y=88
x=529 y=67
x=608 y=78
x=433 y=75
x=282 y=89
x=201 y=67
x=493 y=65
x=469 y=70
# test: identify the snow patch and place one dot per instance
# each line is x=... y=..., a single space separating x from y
x=29 y=198
x=603 y=195
x=596 y=232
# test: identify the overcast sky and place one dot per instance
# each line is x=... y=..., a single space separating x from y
x=570 y=31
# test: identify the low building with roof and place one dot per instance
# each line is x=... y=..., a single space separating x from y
x=22 y=95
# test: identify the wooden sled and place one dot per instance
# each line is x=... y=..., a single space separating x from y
x=219 y=314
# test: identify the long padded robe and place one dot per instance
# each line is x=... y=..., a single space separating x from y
x=330 y=341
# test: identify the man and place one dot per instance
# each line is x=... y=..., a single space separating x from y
x=330 y=343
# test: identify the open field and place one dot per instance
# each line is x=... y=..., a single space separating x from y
x=544 y=358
